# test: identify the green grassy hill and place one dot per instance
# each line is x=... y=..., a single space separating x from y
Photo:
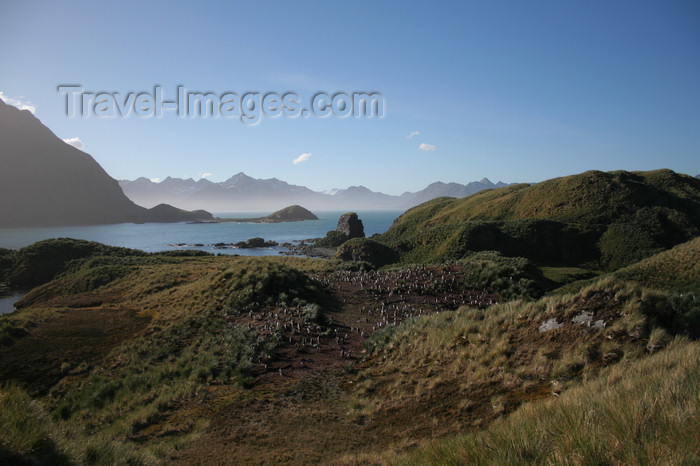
x=594 y=219
x=121 y=357
x=675 y=269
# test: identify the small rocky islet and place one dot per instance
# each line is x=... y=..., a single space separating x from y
x=349 y=226
x=251 y=243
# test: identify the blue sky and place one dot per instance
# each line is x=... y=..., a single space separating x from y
x=509 y=90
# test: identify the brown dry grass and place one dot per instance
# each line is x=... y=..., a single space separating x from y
x=160 y=390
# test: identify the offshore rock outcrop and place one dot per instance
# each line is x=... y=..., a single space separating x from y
x=351 y=226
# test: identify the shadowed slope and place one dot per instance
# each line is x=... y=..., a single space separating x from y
x=46 y=182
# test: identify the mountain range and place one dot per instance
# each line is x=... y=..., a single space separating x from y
x=244 y=193
x=46 y=182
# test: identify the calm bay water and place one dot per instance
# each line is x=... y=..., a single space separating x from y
x=153 y=237
x=7 y=303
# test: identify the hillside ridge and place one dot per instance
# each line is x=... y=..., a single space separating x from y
x=46 y=182
x=602 y=219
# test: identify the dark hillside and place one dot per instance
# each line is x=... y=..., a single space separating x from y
x=46 y=182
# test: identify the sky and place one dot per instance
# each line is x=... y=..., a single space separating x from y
x=510 y=90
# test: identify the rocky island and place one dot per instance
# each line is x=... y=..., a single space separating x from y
x=294 y=213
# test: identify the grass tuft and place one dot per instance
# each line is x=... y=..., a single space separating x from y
x=644 y=413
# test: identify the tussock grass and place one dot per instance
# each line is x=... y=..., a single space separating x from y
x=193 y=341
x=510 y=277
x=675 y=269
x=255 y=282
x=152 y=388
x=40 y=262
x=640 y=413
x=503 y=345
x=28 y=435
x=565 y=275
x=27 y=432
x=366 y=250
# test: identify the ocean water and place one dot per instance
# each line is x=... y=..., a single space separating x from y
x=7 y=303
x=153 y=237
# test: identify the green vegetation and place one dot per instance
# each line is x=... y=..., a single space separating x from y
x=195 y=339
x=593 y=220
x=42 y=261
x=7 y=259
x=156 y=370
x=509 y=277
x=366 y=250
x=564 y=275
x=256 y=282
x=333 y=239
x=138 y=357
x=292 y=213
x=30 y=436
x=96 y=268
x=27 y=432
x=645 y=413
x=675 y=269
x=506 y=347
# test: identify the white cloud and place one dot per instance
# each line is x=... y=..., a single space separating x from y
x=302 y=158
x=426 y=147
x=155 y=180
x=413 y=133
x=75 y=142
x=205 y=175
x=18 y=102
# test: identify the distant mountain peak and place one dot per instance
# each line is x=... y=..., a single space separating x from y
x=242 y=192
x=240 y=176
x=359 y=188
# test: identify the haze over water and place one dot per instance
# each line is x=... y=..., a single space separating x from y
x=153 y=237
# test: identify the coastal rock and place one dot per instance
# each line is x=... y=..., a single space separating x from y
x=551 y=324
x=351 y=226
x=256 y=242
